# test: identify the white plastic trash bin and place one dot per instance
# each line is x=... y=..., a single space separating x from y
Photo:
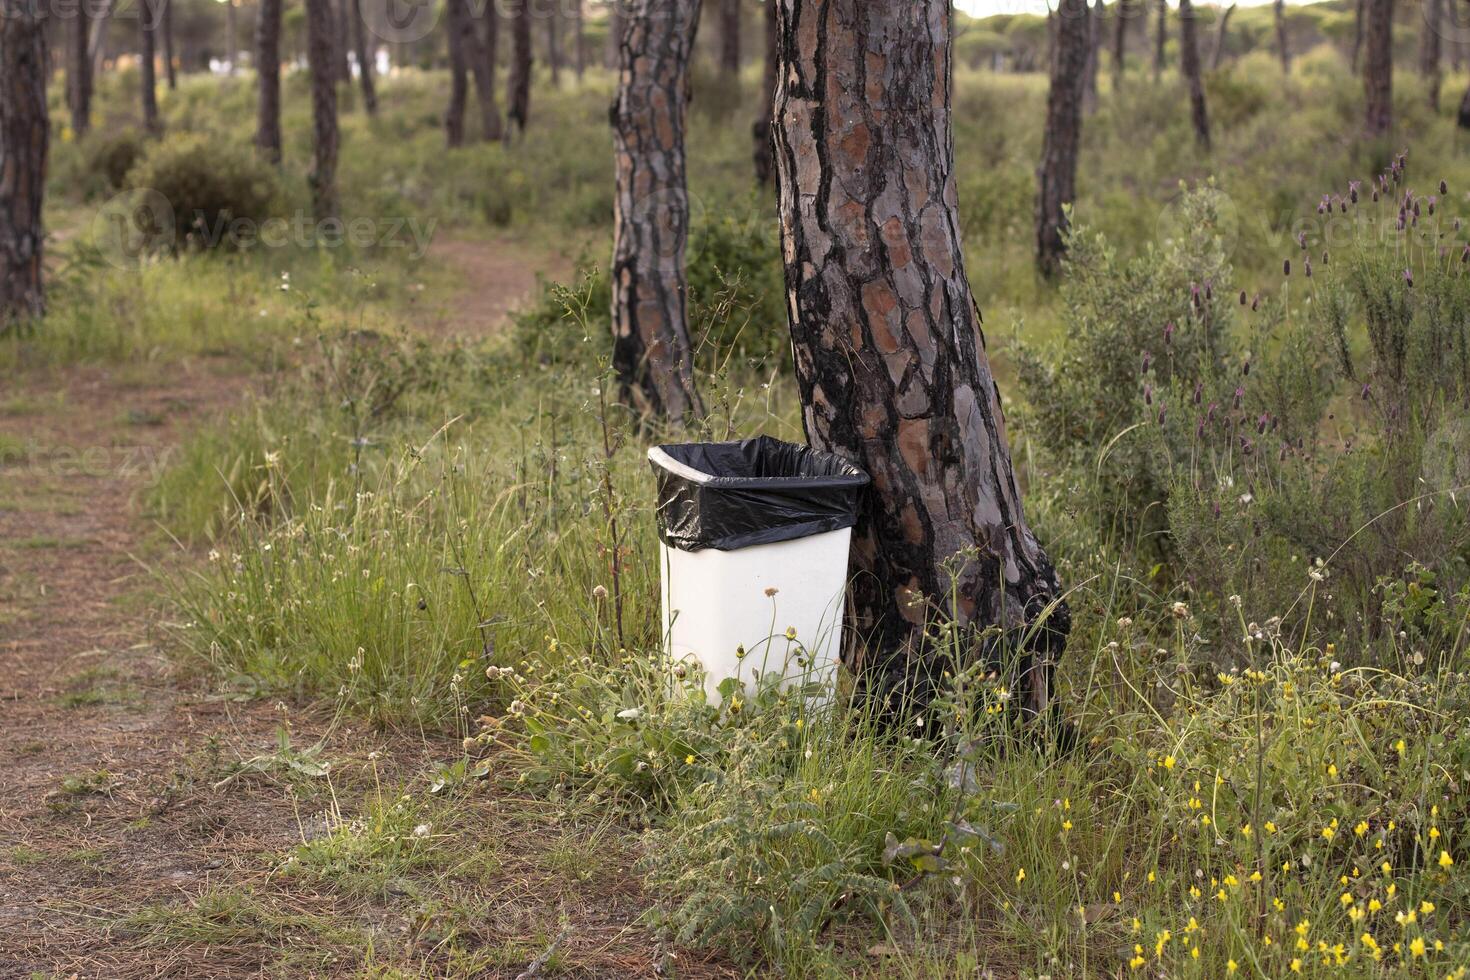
x=753 y=558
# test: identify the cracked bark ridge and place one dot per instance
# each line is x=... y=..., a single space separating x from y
x=1056 y=176
x=23 y=145
x=1189 y=65
x=652 y=354
x=268 y=77
x=321 y=58
x=1378 y=67
x=889 y=353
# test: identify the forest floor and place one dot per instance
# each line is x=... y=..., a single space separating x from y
x=146 y=817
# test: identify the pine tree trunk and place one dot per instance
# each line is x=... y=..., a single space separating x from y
x=170 y=73
x=553 y=43
x=1358 y=17
x=579 y=39
x=652 y=354
x=98 y=44
x=232 y=43
x=24 y=140
x=765 y=161
x=362 y=50
x=1283 y=51
x=268 y=76
x=1161 y=38
x=1094 y=55
x=1124 y=11
x=1429 y=51
x=615 y=26
x=1218 y=57
x=147 y=80
x=343 y=40
x=1189 y=65
x=518 y=89
x=889 y=354
x=321 y=58
x=1462 y=117
x=481 y=49
x=1378 y=67
x=459 y=85
x=1056 y=177
x=79 y=81
x=730 y=37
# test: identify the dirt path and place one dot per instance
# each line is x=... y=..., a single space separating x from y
x=127 y=848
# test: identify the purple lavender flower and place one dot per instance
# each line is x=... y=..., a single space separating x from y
x=1409 y=278
x=1239 y=396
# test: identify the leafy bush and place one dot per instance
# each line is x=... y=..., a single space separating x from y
x=111 y=156
x=208 y=186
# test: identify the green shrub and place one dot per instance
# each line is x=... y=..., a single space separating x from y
x=111 y=156
x=208 y=185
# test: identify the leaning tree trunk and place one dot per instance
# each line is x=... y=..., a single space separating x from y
x=170 y=73
x=889 y=354
x=1056 y=177
x=1189 y=64
x=1124 y=11
x=362 y=51
x=765 y=161
x=730 y=37
x=518 y=89
x=79 y=81
x=1283 y=50
x=1218 y=57
x=147 y=79
x=1094 y=55
x=652 y=354
x=1429 y=51
x=24 y=129
x=268 y=72
x=459 y=85
x=321 y=58
x=1378 y=68
x=480 y=49
x=1161 y=38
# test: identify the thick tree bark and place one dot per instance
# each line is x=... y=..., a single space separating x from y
x=1056 y=176
x=1218 y=57
x=553 y=43
x=480 y=49
x=652 y=354
x=1189 y=65
x=79 y=77
x=1429 y=51
x=170 y=73
x=321 y=58
x=1378 y=67
x=362 y=50
x=268 y=72
x=459 y=85
x=1161 y=38
x=1358 y=34
x=889 y=354
x=730 y=37
x=765 y=161
x=147 y=79
x=518 y=89
x=1283 y=50
x=1094 y=55
x=24 y=141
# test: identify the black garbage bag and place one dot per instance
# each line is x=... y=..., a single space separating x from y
x=731 y=495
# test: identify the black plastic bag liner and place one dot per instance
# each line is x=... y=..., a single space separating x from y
x=731 y=495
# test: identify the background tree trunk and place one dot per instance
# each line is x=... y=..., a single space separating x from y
x=24 y=141
x=341 y=10
x=730 y=37
x=232 y=35
x=481 y=48
x=268 y=72
x=1056 y=177
x=765 y=161
x=1429 y=51
x=459 y=85
x=1218 y=57
x=1189 y=64
x=1462 y=118
x=1283 y=50
x=98 y=44
x=553 y=42
x=1378 y=67
x=1161 y=38
x=79 y=80
x=615 y=25
x=518 y=89
x=170 y=73
x=364 y=54
x=321 y=57
x=1124 y=10
x=147 y=80
x=1358 y=34
x=652 y=354
x=890 y=359
x=579 y=39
